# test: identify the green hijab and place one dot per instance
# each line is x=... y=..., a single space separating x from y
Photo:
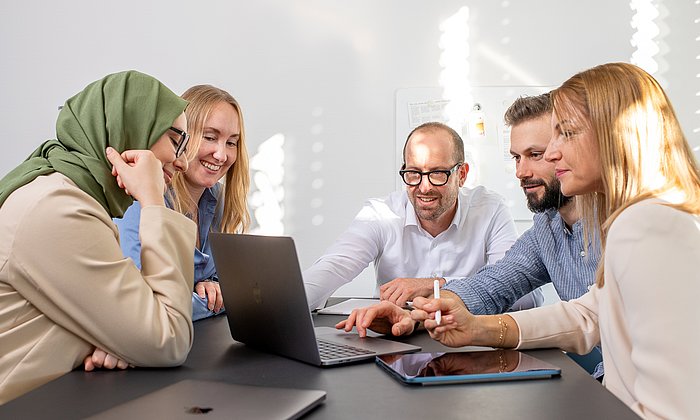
x=127 y=110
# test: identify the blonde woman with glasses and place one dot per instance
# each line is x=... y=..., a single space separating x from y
x=618 y=147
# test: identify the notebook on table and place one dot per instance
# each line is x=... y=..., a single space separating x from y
x=267 y=309
x=191 y=399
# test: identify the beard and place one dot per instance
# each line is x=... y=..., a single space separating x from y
x=429 y=214
x=551 y=199
x=445 y=201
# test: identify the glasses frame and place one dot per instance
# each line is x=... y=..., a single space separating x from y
x=182 y=143
x=447 y=173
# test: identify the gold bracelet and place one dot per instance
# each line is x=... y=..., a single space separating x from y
x=504 y=330
x=502 y=363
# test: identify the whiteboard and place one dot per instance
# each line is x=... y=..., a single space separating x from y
x=486 y=138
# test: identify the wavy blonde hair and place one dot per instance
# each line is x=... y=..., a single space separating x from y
x=643 y=152
x=234 y=193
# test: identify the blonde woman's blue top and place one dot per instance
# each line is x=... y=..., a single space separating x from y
x=204 y=269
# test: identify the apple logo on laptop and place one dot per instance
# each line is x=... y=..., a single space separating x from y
x=257 y=294
x=198 y=410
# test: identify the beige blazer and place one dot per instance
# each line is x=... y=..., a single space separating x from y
x=66 y=288
x=645 y=316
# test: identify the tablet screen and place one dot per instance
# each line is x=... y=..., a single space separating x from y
x=463 y=367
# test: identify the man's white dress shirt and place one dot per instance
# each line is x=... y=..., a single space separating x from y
x=386 y=231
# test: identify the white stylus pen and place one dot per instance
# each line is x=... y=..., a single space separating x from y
x=436 y=294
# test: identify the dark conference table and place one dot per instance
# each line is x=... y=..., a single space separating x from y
x=354 y=391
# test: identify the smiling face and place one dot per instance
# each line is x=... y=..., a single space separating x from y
x=430 y=150
x=218 y=149
x=164 y=149
x=528 y=142
x=575 y=154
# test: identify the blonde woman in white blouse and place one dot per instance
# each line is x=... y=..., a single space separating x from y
x=619 y=148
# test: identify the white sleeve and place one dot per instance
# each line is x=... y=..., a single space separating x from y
x=571 y=326
x=502 y=234
x=351 y=253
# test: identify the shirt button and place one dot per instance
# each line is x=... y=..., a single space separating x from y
x=583 y=253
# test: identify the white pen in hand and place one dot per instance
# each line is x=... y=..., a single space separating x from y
x=436 y=294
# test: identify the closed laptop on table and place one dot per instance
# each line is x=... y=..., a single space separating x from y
x=191 y=399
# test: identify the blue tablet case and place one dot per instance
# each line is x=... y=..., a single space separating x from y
x=466 y=367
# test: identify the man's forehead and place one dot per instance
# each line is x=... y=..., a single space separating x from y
x=428 y=155
x=531 y=134
x=429 y=140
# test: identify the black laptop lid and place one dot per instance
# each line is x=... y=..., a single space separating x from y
x=264 y=294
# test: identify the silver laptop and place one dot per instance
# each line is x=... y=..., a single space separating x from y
x=267 y=309
x=190 y=399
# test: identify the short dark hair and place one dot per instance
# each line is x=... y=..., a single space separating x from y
x=527 y=108
x=434 y=126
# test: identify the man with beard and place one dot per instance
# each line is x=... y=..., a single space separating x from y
x=552 y=250
x=435 y=229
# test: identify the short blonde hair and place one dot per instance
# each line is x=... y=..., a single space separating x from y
x=643 y=152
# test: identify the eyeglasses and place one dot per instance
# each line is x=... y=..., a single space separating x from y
x=437 y=178
x=181 y=145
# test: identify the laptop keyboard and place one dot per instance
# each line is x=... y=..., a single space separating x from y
x=331 y=350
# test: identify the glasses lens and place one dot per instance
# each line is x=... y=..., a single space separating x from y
x=182 y=146
x=412 y=177
x=438 y=178
x=182 y=142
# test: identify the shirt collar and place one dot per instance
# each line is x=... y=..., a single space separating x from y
x=556 y=218
x=209 y=195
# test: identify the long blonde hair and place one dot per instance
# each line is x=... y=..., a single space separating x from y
x=643 y=152
x=234 y=194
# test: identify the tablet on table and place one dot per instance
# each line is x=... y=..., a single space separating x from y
x=466 y=367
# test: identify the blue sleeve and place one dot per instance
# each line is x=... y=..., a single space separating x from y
x=495 y=287
x=200 y=310
x=129 y=233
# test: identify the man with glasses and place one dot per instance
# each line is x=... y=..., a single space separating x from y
x=435 y=229
x=552 y=250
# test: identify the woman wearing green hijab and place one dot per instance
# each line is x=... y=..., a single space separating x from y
x=65 y=286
